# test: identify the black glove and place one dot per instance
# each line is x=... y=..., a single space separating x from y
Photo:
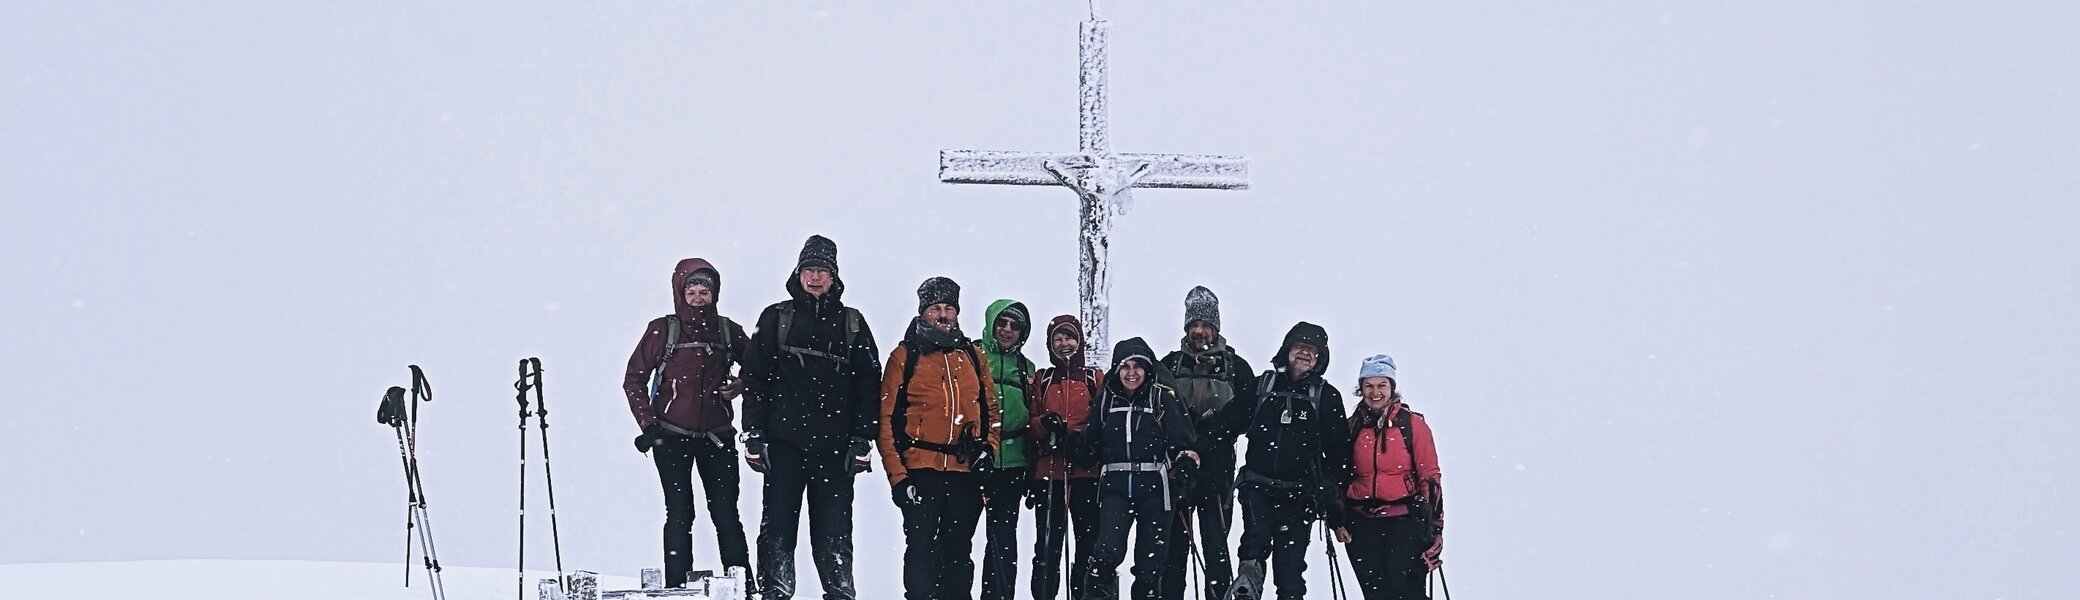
x=651 y=437
x=1054 y=423
x=1081 y=453
x=1183 y=473
x=905 y=494
x=861 y=455
x=755 y=450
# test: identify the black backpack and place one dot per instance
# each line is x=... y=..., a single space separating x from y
x=844 y=362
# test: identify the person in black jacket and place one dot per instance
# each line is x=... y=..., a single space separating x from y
x=1141 y=433
x=1208 y=376
x=1299 y=451
x=811 y=410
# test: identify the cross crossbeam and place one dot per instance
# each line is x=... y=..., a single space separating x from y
x=1103 y=182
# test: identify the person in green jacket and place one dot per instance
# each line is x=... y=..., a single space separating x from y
x=1005 y=487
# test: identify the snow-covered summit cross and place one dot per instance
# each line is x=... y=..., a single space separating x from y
x=1103 y=181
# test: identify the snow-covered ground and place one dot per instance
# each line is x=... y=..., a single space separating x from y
x=258 y=580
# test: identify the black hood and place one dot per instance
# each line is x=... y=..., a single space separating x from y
x=1312 y=335
x=1137 y=349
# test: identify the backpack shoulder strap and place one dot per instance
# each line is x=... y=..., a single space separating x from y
x=729 y=352
x=1415 y=472
x=851 y=328
x=899 y=416
x=786 y=322
x=981 y=393
x=671 y=339
x=1408 y=437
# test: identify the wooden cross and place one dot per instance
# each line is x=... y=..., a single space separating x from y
x=1102 y=179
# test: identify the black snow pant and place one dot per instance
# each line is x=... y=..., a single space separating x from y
x=1275 y=524
x=1004 y=494
x=676 y=459
x=939 y=533
x=1059 y=505
x=825 y=476
x=1139 y=506
x=1208 y=513
x=1387 y=556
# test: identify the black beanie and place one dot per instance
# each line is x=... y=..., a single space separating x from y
x=819 y=252
x=938 y=290
x=702 y=277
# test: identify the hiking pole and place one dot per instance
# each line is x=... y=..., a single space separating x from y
x=1336 y=588
x=1446 y=582
x=404 y=419
x=422 y=391
x=520 y=570
x=390 y=412
x=541 y=412
x=1191 y=545
x=1062 y=558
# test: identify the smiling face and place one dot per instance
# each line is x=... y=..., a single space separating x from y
x=1376 y=391
x=942 y=316
x=1301 y=358
x=1200 y=334
x=1006 y=333
x=1063 y=345
x=1132 y=375
x=699 y=295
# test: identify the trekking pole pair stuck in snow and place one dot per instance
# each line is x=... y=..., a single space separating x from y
x=531 y=380
x=402 y=416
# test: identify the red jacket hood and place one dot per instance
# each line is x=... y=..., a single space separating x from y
x=1075 y=328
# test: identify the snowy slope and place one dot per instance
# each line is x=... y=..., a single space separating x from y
x=257 y=580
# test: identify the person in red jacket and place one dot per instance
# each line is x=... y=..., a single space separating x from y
x=1394 y=505
x=679 y=389
x=1065 y=487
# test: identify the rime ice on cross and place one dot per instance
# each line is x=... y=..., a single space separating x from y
x=1103 y=181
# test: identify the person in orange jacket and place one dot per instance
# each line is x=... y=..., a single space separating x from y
x=938 y=410
x=1394 y=503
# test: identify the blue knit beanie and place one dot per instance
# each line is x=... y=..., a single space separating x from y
x=1379 y=365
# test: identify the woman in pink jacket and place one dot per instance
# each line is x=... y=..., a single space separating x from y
x=1394 y=505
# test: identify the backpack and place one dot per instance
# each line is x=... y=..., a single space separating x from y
x=1204 y=393
x=1090 y=380
x=1269 y=379
x=851 y=335
x=671 y=344
x=970 y=445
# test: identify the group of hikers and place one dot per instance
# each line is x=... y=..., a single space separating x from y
x=972 y=433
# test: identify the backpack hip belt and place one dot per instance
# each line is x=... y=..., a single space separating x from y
x=1252 y=476
x=1160 y=468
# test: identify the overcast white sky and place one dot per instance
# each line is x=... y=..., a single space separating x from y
x=1704 y=300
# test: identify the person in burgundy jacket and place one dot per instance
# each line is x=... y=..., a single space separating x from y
x=1394 y=504
x=679 y=389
